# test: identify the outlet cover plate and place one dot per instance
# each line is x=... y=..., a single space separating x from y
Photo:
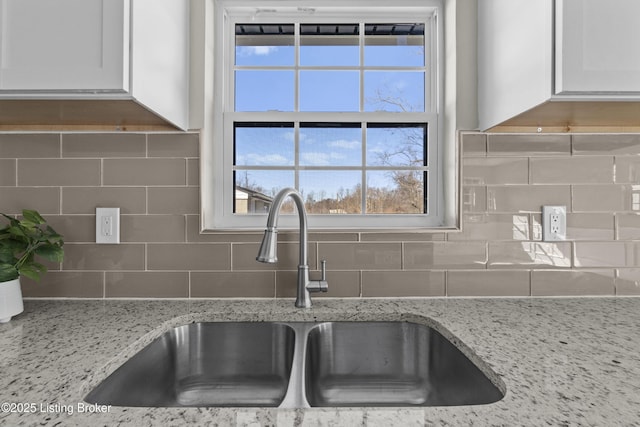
x=554 y=223
x=108 y=225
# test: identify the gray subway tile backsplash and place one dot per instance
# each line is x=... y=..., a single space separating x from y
x=627 y=226
x=84 y=200
x=445 y=255
x=94 y=257
x=104 y=145
x=526 y=198
x=7 y=172
x=488 y=283
x=403 y=284
x=46 y=200
x=29 y=145
x=146 y=284
x=362 y=255
x=518 y=255
x=173 y=200
x=505 y=179
x=59 y=172
x=495 y=170
x=605 y=198
x=171 y=145
x=188 y=257
x=627 y=281
x=66 y=284
x=152 y=228
x=528 y=145
x=226 y=284
x=602 y=143
x=572 y=283
x=147 y=172
x=572 y=170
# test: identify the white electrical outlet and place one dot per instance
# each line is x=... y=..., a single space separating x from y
x=554 y=223
x=108 y=225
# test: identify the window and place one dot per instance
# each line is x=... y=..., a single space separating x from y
x=342 y=103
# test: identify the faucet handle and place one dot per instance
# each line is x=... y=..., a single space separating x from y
x=319 y=285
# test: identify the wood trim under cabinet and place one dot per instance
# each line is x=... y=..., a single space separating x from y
x=78 y=114
x=576 y=116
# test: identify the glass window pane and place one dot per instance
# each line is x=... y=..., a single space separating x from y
x=395 y=192
x=396 y=145
x=396 y=45
x=399 y=91
x=329 y=44
x=332 y=192
x=264 y=90
x=330 y=144
x=265 y=44
x=329 y=91
x=255 y=190
x=264 y=144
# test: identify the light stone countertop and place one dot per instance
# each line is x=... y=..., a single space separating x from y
x=564 y=362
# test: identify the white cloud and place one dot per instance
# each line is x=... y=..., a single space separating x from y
x=257 y=50
x=256 y=159
x=290 y=136
x=320 y=159
x=400 y=85
x=345 y=144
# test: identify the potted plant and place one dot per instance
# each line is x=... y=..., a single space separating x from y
x=20 y=242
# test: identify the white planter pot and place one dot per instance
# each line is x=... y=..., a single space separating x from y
x=10 y=300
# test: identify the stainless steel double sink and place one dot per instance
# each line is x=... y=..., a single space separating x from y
x=298 y=365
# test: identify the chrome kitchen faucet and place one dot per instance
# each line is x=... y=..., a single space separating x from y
x=268 y=248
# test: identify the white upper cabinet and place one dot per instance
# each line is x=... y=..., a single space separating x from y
x=597 y=46
x=65 y=51
x=64 y=45
x=560 y=64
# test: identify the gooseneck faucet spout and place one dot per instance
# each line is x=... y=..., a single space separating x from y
x=269 y=246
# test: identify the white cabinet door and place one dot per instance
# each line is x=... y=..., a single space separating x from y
x=64 y=45
x=597 y=46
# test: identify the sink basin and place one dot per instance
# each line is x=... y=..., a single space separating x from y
x=297 y=365
x=390 y=364
x=205 y=364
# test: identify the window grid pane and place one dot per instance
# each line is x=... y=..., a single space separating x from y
x=331 y=67
x=341 y=168
x=324 y=162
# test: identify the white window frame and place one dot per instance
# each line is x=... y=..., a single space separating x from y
x=218 y=185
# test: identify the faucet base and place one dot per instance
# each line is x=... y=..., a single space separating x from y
x=303 y=302
x=303 y=299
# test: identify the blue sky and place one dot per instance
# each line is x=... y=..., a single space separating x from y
x=324 y=91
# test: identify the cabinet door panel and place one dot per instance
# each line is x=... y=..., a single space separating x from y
x=597 y=46
x=64 y=45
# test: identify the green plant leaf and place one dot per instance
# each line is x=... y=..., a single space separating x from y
x=28 y=270
x=15 y=246
x=28 y=225
x=51 y=252
x=17 y=231
x=10 y=218
x=21 y=241
x=53 y=236
x=8 y=272
x=40 y=267
x=33 y=216
x=7 y=255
